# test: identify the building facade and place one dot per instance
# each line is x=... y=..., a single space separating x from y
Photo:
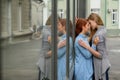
x=110 y=13
x=16 y=17
x=19 y=15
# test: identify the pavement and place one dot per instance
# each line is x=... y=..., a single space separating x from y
x=19 y=59
x=113 y=46
x=17 y=37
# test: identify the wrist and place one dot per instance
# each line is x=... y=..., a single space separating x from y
x=88 y=47
x=94 y=46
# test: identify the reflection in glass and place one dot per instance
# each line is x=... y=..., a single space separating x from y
x=62 y=51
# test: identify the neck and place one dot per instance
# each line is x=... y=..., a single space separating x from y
x=82 y=32
x=64 y=32
x=98 y=26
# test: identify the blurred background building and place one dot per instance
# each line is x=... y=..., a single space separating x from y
x=109 y=10
x=18 y=16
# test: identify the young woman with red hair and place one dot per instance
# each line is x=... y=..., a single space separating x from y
x=83 y=57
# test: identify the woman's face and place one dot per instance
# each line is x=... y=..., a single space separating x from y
x=93 y=24
x=87 y=28
x=60 y=27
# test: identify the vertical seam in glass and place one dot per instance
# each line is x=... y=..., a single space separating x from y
x=68 y=35
x=54 y=40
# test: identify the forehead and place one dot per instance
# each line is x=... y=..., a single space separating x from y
x=90 y=20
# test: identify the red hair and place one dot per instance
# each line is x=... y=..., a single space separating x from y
x=80 y=23
x=63 y=23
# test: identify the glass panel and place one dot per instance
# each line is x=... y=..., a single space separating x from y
x=44 y=60
x=62 y=42
x=62 y=39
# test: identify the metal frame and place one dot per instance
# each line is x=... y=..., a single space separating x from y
x=73 y=32
x=54 y=35
x=81 y=8
x=54 y=40
x=68 y=35
x=77 y=8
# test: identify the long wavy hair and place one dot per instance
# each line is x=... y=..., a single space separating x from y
x=49 y=20
x=95 y=17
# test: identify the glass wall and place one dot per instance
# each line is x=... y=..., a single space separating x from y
x=65 y=53
x=43 y=50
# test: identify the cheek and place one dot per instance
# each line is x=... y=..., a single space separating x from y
x=93 y=25
x=58 y=28
x=89 y=28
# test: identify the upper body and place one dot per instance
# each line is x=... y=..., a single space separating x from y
x=45 y=43
x=100 y=59
x=83 y=57
x=83 y=60
x=103 y=63
x=61 y=53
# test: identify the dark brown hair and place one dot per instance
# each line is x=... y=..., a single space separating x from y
x=49 y=20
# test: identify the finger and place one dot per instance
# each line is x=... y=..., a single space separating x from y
x=80 y=42
x=97 y=38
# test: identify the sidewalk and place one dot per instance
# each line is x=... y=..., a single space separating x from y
x=22 y=33
x=16 y=33
x=17 y=36
x=113 y=32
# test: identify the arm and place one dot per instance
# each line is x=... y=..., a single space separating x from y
x=49 y=53
x=84 y=51
x=101 y=47
x=91 y=49
x=46 y=39
x=62 y=47
x=62 y=44
x=61 y=52
x=49 y=39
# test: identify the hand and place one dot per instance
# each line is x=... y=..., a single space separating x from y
x=49 y=53
x=76 y=19
x=49 y=39
x=96 y=40
x=83 y=44
x=62 y=43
